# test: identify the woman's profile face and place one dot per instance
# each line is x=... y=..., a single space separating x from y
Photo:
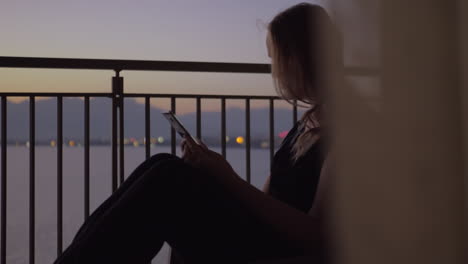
x=269 y=44
x=270 y=50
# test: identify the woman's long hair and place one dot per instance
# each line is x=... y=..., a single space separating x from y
x=306 y=56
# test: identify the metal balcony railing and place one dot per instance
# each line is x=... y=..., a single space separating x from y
x=117 y=142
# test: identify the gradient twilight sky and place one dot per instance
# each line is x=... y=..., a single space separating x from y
x=188 y=30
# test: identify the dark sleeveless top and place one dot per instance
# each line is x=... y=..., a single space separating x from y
x=295 y=183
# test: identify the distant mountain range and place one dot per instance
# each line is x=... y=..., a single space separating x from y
x=100 y=121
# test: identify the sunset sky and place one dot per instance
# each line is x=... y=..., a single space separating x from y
x=183 y=30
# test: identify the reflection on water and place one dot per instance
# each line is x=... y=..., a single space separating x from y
x=73 y=193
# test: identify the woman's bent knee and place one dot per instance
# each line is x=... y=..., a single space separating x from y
x=167 y=165
x=161 y=156
x=171 y=173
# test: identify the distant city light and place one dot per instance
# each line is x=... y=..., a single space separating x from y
x=283 y=134
x=240 y=140
x=27 y=144
x=53 y=143
x=227 y=138
x=160 y=139
x=136 y=144
x=264 y=144
x=71 y=143
x=126 y=141
x=154 y=141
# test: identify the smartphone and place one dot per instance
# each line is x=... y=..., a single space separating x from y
x=177 y=125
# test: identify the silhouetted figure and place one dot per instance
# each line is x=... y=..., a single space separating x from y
x=202 y=208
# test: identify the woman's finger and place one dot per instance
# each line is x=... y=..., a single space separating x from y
x=202 y=144
x=194 y=147
x=186 y=153
x=190 y=141
x=192 y=159
x=183 y=145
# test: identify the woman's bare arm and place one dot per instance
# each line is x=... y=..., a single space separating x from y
x=300 y=229
x=305 y=231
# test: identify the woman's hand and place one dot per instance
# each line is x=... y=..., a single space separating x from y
x=199 y=156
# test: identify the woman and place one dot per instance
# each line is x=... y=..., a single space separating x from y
x=201 y=207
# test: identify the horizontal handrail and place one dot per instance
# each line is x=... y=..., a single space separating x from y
x=54 y=94
x=137 y=95
x=133 y=65
x=155 y=65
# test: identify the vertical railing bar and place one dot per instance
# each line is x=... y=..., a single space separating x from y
x=147 y=127
x=4 y=180
x=86 y=157
x=295 y=113
x=247 y=136
x=173 y=135
x=272 y=130
x=114 y=134
x=59 y=174
x=223 y=127
x=32 y=181
x=121 y=139
x=199 y=118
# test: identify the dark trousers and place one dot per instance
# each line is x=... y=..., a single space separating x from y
x=165 y=199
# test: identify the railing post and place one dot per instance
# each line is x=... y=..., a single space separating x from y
x=147 y=127
x=3 y=238
x=199 y=136
x=32 y=178
x=295 y=112
x=121 y=130
x=173 y=133
x=272 y=129
x=59 y=175
x=247 y=140
x=223 y=127
x=117 y=92
x=86 y=156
